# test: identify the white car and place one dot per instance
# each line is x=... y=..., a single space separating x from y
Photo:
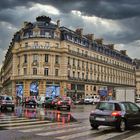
x=88 y=100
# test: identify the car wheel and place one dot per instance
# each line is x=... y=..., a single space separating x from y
x=68 y=108
x=121 y=125
x=94 y=126
x=12 y=108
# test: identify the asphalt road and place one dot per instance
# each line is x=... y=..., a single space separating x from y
x=46 y=124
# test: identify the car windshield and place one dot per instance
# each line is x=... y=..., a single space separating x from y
x=105 y=106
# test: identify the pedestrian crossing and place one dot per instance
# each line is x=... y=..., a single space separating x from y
x=62 y=131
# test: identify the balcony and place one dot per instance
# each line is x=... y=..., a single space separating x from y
x=85 y=56
x=46 y=64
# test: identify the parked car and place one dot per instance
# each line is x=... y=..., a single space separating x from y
x=88 y=100
x=6 y=101
x=137 y=100
x=114 y=113
x=79 y=102
x=30 y=101
x=64 y=102
x=48 y=103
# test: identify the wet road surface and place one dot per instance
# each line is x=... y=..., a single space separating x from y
x=42 y=124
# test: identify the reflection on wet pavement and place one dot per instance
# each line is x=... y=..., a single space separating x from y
x=39 y=113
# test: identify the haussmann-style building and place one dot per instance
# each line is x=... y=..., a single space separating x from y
x=44 y=58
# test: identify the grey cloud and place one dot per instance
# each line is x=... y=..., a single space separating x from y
x=111 y=9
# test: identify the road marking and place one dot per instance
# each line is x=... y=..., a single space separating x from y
x=15 y=121
x=25 y=123
x=108 y=135
x=76 y=135
x=56 y=126
x=62 y=131
x=30 y=126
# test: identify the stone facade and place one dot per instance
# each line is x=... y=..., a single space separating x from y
x=44 y=57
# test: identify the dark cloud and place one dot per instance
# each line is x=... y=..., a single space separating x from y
x=124 y=13
x=111 y=9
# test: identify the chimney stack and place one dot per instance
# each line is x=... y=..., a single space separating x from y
x=90 y=36
x=111 y=46
x=123 y=52
x=99 y=41
x=79 y=31
x=58 y=23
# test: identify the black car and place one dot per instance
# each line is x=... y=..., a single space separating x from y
x=114 y=113
x=30 y=101
x=64 y=102
x=6 y=101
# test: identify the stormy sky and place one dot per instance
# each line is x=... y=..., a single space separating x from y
x=116 y=21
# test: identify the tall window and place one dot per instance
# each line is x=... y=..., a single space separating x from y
x=83 y=75
x=73 y=73
x=68 y=60
x=68 y=73
x=56 y=59
x=46 y=58
x=34 y=71
x=35 y=58
x=25 y=71
x=56 y=72
x=73 y=61
x=46 y=71
x=78 y=74
x=25 y=58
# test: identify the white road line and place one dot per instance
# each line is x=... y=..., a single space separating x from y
x=31 y=126
x=56 y=126
x=15 y=121
x=76 y=135
x=9 y=119
x=135 y=137
x=25 y=123
x=109 y=135
x=62 y=131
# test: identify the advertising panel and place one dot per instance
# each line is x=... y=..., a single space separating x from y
x=52 y=91
x=34 y=88
x=19 y=90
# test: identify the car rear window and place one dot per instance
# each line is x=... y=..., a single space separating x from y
x=7 y=98
x=105 y=106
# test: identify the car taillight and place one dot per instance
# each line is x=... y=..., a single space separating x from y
x=3 y=102
x=59 y=102
x=116 y=113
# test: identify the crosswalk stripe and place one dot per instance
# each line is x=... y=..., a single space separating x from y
x=29 y=126
x=107 y=136
x=25 y=123
x=56 y=126
x=9 y=119
x=76 y=135
x=15 y=121
x=62 y=131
